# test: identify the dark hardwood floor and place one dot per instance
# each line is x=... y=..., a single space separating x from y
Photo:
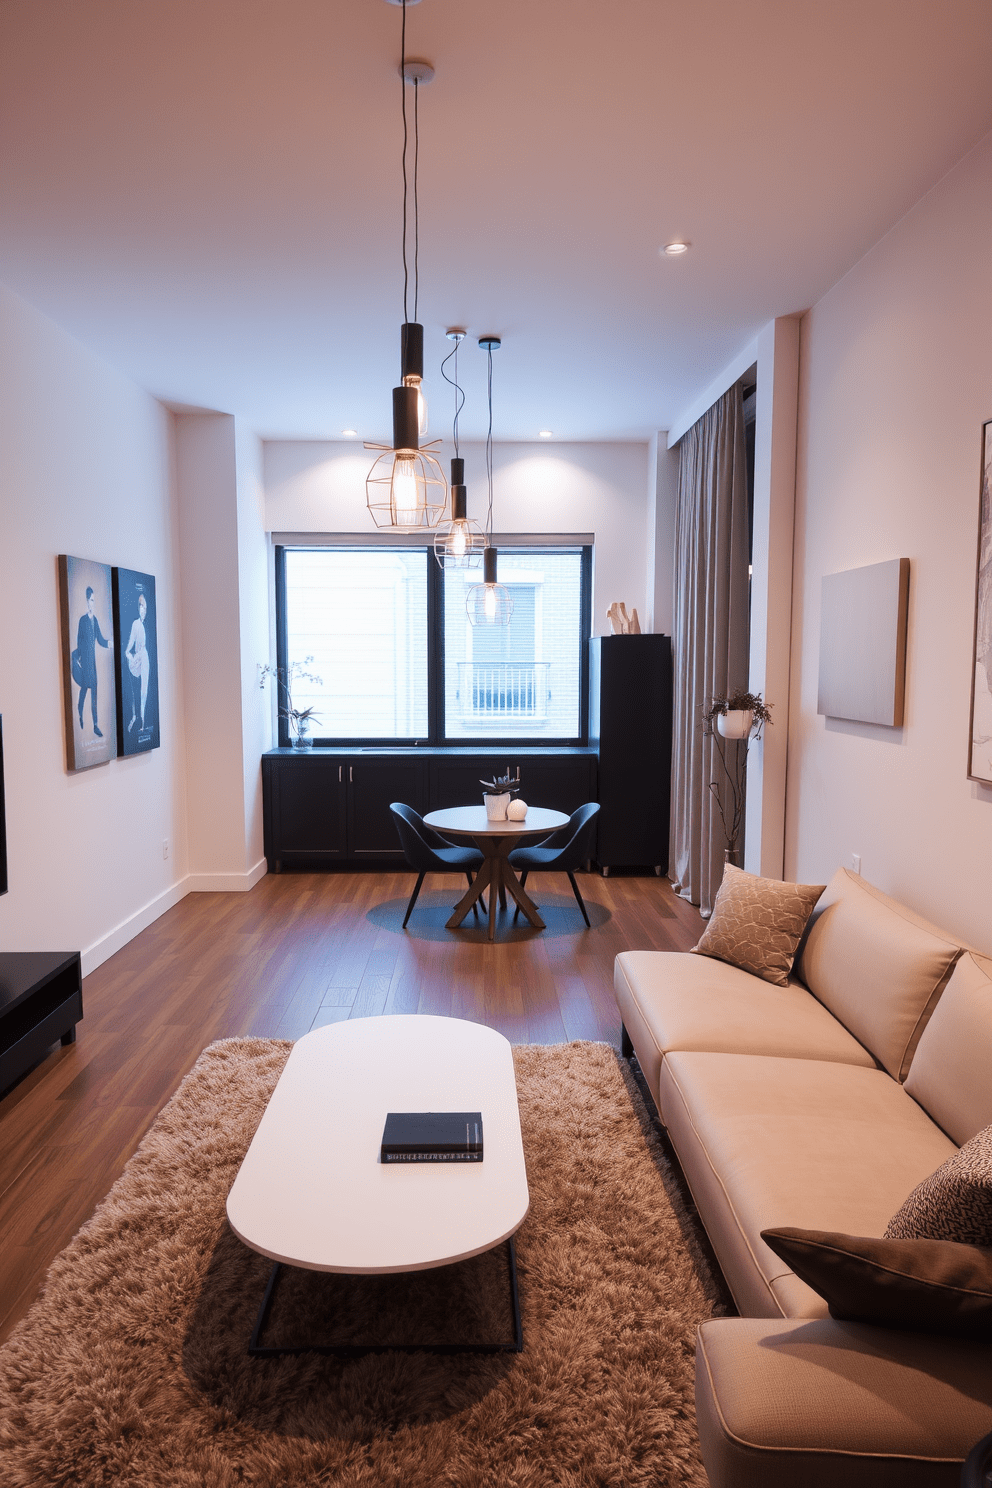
x=299 y=951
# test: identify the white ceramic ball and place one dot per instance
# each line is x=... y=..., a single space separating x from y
x=517 y=810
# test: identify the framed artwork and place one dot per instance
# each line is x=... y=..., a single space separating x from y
x=863 y=615
x=980 y=748
x=86 y=611
x=136 y=663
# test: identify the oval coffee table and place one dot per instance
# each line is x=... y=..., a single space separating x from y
x=311 y=1191
x=495 y=840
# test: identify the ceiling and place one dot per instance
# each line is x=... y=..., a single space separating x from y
x=207 y=192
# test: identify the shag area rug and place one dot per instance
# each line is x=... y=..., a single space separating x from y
x=131 y=1369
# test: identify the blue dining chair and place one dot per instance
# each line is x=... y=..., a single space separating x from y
x=562 y=852
x=428 y=852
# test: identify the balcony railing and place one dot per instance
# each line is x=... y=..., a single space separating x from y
x=507 y=690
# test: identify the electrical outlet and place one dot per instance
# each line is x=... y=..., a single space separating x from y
x=856 y=862
x=165 y=847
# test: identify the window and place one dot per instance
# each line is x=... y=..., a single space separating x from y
x=391 y=642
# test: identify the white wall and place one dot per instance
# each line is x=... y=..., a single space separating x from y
x=896 y=383
x=542 y=488
x=85 y=469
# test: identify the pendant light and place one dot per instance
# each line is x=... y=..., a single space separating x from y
x=406 y=489
x=489 y=603
x=461 y=542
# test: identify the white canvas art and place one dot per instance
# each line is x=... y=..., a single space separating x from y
x=980 y=762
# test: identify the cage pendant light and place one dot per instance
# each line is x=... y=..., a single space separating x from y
x=489 y=603
x=406 y=489
x=461 y=542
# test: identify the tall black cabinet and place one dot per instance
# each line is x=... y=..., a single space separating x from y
x=630 y=725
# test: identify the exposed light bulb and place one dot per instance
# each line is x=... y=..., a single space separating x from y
x=404 y=492
x=459 y=540
x=413 y=381
x=489 y=604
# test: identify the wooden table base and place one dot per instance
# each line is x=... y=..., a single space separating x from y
x=498 y=876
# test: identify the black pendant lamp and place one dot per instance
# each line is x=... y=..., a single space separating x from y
x=461 y=542
x=406 y=489
x=489 y=603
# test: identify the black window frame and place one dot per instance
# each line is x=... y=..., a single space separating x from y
x=435 y=651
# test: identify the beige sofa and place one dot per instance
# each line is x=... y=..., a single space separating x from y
x=821 y=1104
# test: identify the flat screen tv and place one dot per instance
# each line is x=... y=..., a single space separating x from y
x=3 y=822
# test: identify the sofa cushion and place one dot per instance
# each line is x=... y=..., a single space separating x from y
x=877 y=966
x=950 y=1073
x=955 y=1202
x=757 y=923
x=670 y=1000
x=819 y=1403
x=928 y=1286
x=769 y=1142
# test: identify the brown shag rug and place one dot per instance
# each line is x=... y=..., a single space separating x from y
x=131 y=1369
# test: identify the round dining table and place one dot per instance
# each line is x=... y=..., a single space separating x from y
x=495 y=840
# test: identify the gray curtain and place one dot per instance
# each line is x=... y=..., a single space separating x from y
x=709 y=632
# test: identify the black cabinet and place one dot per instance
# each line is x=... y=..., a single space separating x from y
x=326 y=806
x=41 y=1001
x=630 y=723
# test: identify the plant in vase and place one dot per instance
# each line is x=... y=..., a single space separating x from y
x=735 y=720
x=298 y=719
x=498 y=793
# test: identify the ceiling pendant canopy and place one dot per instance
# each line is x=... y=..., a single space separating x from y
x=406 y=488
x=461 y=542
x=489 y=603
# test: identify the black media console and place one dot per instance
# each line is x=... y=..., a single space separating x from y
x=41 y=1001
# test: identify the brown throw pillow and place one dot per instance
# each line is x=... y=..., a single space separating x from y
x=955 y=1202
x=927 y=1286
x=757 y=923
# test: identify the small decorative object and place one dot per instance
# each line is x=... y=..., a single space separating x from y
x=300 y=720
x=622 y=623
x=980 y=756
x=737 y=719
x=517 y=810
x=86 y=606
x=136 y=661
x=497 y=794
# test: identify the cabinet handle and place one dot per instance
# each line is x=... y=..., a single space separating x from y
x=340 y=773
x=350 y=776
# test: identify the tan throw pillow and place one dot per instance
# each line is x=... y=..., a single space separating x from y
x=955 y=1202
x=757 y=923
x=928 y=1286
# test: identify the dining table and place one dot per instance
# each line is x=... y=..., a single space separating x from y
x=495 y=839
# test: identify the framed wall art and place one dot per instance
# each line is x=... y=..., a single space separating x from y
x=863 y=615
x=136 y=670
x=980 y=747
x=87 y=627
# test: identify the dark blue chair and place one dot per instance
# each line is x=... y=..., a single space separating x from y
x=562 y=852
x=428 y=852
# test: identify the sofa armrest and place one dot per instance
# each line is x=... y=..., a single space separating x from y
x=820 y=1403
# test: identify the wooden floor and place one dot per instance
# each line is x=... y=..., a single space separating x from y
x=299 y=951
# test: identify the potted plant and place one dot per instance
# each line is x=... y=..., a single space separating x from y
x=299 y=719
x=497 y=794
x=737 y=719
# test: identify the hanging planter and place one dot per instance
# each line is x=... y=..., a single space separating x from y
x=735 y=723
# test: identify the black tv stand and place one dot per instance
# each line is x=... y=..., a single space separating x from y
x=41 y=1001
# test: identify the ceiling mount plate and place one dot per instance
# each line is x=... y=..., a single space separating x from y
x=490 y=343
x=416 y=70
x=455 y=333
x=400 y=2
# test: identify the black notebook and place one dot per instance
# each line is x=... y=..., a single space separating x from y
x=432 y=1136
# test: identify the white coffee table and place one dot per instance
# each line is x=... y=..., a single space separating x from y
x=311 y=1191
x=495 y=840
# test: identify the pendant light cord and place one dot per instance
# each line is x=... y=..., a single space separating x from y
x=489 y=449
x=406 y=272
x=416 y=191
x=459 y=394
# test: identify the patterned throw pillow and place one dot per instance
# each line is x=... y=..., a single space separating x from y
x=955 y=1202
x=757 y=923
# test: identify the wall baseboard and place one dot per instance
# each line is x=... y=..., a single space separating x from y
x=194 y=883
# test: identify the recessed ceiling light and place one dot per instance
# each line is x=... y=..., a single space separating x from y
x=545 y=433
x=672 y=250
x=349 y=433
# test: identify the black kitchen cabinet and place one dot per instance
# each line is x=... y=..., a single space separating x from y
x=328 y=806
x=630 y=723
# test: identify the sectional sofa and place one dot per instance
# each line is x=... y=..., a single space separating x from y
x=821 y=1104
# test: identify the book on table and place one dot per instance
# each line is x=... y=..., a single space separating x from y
x=432 y=1136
